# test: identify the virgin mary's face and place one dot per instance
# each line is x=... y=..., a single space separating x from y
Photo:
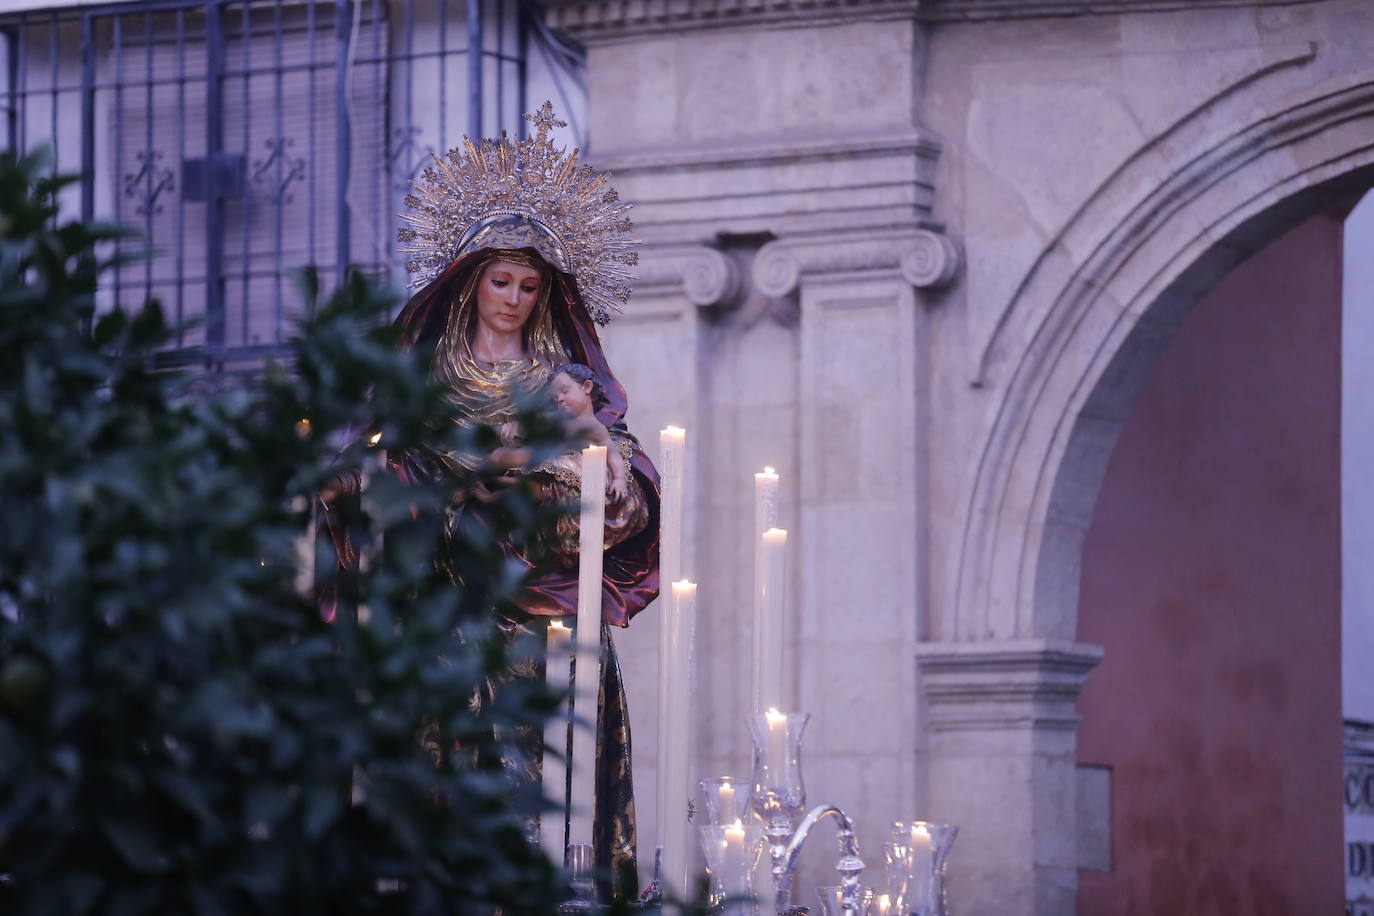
x=506 y=295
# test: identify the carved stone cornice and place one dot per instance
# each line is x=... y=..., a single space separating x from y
x=1032 y=683
x=595 y=21
x=706 y=276
x=955 y=10
x=924 y=258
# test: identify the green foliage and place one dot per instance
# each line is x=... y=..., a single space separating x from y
x=180 y=730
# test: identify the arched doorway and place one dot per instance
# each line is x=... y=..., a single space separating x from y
x=1211 y=736
x=1095 y=313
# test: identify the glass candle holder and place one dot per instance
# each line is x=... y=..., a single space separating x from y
x=727 y=799
x=832 y=900
x=922 y=850
x=777 y=793
x=733 y=853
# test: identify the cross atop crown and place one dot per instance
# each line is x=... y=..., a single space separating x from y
x=544 y=121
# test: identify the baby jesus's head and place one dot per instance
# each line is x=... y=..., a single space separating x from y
x=577 y=393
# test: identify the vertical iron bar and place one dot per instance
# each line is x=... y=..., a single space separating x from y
x=12 y=89
x=443 y=76
x=87 y=117
x=148 y=152
x=214 y=152
x=281 y=174
x=22 y=85
x=500 y=67
x=377 y=219
x=313 y=161
x=52 y=56
x=522 y=74
x=245 y=202
x=475 y=68
x=343 y=141
x=118 y=122
x=181 y=157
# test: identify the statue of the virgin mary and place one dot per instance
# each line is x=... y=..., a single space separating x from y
x=522 y=253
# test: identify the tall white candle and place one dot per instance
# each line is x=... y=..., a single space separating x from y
x=672 y=446
x=675 y=738
x=672 y=451
x=587 y=683
x=765 y=517
x=770 y=624
x=557 y=667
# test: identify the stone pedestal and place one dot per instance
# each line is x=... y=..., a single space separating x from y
x=1000 y=760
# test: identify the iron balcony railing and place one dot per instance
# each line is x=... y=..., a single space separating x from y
x=248 y=137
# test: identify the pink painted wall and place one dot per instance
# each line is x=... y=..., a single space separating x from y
x=1211 y=576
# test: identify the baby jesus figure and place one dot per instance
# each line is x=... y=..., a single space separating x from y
x=578 y=394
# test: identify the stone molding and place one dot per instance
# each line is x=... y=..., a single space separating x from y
x=980 y=686
x=771 y=152
x=706 y=276
x=924 y=258
x=956 y=10
x=600 y=21
x=594 y=21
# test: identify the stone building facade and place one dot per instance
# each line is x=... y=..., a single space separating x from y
x=920 y=257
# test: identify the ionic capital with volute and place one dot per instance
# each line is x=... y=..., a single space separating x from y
x=924 y=258
x=708 y=277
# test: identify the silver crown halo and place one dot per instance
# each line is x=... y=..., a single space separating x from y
x=503 y=178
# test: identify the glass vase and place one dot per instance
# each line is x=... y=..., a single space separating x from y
x=727 y=799
x=917 y=860
x=777 y=793
x=733 y=855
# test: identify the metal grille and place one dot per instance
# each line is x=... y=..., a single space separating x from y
x=248 y=137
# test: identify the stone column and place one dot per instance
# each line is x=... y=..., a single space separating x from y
x=784 y=146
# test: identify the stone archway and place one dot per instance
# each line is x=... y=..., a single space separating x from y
x=1117 y=292
x=1072 y=348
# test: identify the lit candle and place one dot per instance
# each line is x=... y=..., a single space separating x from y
x=675 y=736
x=770 y=612
x=765 y=518
x=918 y=894
x=777 y=743
x=734 y=835
x=727 y=801
x=884 y=905
x=587 y=682
x=557 y=668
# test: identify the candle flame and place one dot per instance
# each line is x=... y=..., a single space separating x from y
x=374 y=438
x=557 y=624
x=674 y=431
x=769 y=470
x=774 y=717
x=921 y=831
